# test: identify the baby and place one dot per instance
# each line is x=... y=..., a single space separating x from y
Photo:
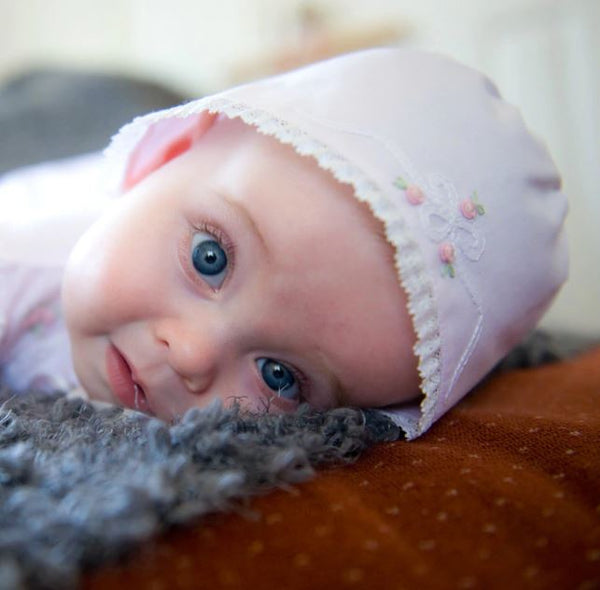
x=376 y=230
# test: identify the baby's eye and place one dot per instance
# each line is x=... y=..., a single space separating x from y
x=209 y=259
x=278 y=378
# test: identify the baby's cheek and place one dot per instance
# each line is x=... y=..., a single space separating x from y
x=381 y=378
x=91 y=293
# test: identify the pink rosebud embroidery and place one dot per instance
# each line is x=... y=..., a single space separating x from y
x=468 y=209
x=413 y=193
x=471 y=207
x=446 y=254
x=446 y=251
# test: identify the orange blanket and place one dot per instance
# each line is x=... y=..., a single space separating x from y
x=504 y=492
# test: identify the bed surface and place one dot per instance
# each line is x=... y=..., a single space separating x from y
x=503 y=492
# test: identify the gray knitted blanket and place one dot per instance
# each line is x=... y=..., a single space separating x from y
x=82 y=486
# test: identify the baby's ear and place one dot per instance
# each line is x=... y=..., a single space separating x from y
x=163 y=141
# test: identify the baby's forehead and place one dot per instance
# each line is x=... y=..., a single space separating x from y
x=272 y=160
x=330 y=201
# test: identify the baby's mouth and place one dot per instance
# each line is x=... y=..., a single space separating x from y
x=122 y=383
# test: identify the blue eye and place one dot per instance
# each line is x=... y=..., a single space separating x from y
x=209 y=258
x=278 y=378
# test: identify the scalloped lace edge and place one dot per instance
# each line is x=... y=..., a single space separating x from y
x=408 y=257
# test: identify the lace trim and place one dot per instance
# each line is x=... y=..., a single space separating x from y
x=408 y=258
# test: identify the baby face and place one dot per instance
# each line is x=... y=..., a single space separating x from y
x=238 y=270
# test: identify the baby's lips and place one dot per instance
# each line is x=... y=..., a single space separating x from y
x=122 y=381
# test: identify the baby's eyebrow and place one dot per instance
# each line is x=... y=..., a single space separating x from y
x=241 y=211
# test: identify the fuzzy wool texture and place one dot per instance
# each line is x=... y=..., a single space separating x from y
x=82 y=486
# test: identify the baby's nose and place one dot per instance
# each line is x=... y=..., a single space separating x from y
x=193 y=354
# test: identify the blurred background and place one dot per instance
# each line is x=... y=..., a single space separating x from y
x=543 y=54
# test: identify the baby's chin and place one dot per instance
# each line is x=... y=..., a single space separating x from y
x=99 y=395
x=93 y=391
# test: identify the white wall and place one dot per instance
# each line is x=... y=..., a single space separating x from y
x=544 y=55
x=547 y=61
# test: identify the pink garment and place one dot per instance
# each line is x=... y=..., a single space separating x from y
x=43 y=213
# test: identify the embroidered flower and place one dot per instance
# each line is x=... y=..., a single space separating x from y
x=446 y=251
x=447 y=255
x=413 y=193
x=467 y=208
x=444 y=221
x=471 y=208
x=447 y=218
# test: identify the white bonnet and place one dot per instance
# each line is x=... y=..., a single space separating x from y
x=470 y=200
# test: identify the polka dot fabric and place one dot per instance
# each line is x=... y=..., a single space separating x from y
x=503 y=492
